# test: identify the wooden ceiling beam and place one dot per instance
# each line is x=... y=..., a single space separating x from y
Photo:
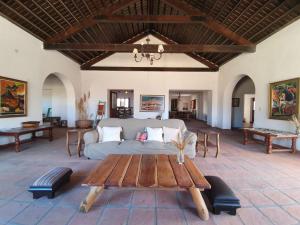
x=178 y=48
x=209 y=22
x=149 y=19
x=164 y=69
x=88 y=21
x=104 y=55
x=192 y=55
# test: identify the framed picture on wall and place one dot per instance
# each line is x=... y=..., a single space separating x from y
x=152 y=103
x=284 y=99
x=235 y=102
x=13 y=97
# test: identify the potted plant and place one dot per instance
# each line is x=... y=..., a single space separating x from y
x=85 y=119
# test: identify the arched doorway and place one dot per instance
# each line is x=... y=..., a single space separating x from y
x=58 y=98
x=243 y=103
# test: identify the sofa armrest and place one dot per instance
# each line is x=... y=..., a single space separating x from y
x=193 y=139
x=90 y=137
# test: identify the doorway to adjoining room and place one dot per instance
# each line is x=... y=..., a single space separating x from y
x=190 y=105
x=243 y=103
x=121 y=103
x=54 y=101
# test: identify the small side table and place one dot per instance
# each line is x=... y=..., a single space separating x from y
x=206 y=143
x=80 y=132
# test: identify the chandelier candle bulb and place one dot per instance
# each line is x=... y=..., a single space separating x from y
x=161 y=49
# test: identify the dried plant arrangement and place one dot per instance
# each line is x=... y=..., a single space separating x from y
x=85 y=118
x=296 y=122
x=180 y=144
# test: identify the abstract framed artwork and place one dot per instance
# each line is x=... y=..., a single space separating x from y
x=152 y=103
x=13 y=97
x=284 y=99
x=235 y=102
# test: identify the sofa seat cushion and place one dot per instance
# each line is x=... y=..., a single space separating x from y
x=131 y=145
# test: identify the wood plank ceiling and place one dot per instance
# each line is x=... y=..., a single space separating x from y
x=197 y=24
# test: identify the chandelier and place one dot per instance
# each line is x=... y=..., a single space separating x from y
x=149 y=56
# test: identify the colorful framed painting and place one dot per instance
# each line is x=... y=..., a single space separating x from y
x=152 y=103
x=284 y=99
x=235 y=102
x=13 y=97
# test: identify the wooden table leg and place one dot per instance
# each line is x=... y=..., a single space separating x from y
x=68 y=143
x=269 y=144
x=33 y=137
x=245 y=137
x=293 y=145
x=205 y=145
x=17 y=141
x=92 y=196
x=79 y=143
x=218 y=144
x=199 y=202
x=50 y=134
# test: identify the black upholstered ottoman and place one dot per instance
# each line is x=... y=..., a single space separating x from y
x=221 y=196
x=50 y=182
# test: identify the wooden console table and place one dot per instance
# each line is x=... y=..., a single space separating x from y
x=206 y=133
x=269 y=136
x=17 y=132
x=79 y=132
x=147 y=171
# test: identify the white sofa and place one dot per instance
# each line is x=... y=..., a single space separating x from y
x=131 y=127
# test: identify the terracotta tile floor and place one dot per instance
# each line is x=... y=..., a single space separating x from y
x=267 y=185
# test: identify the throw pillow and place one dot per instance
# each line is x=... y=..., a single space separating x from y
x=137 y=137
x=100 y=134
x=141 y=136
x=111 y=134
x=170 y=134
x=154 y=134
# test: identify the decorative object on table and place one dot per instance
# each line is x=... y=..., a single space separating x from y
x=296 y=123
x=64 y=123
x=180 y=144
x=30 y=124
x=284 y=100
x=152 y=103
x=149 y=56
x=221 y=197
x=50 y=182
x=235 y=102
x=13 y=97
x=84 y=116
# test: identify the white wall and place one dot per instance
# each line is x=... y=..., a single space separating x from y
x=151 y=83
x=277 y=58
x=22 y=57
x=55 y=97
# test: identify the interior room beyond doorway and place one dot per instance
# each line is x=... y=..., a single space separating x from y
x=121 y=103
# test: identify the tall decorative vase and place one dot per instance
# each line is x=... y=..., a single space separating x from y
x=180 y=157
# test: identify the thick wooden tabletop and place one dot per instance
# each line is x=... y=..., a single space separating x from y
x=146 y=171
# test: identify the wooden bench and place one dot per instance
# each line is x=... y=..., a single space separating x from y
x=221 y=197
x=269 y=136
x=50 y=182
x=17 y=132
